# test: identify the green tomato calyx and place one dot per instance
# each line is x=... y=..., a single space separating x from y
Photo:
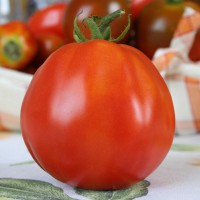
x=100 y=27
x=12 y=50
x=174 y=1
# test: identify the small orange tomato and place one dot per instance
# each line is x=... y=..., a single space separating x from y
x=18 y=46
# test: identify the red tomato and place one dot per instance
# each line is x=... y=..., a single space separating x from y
x=88 y=8
x=195 y=1
x=194 y=53
x=98 y=115
x=137 y=6
x=48 y=43
x=17 y=45
x=48 y=20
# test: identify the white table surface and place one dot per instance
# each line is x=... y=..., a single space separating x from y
x=177 y=178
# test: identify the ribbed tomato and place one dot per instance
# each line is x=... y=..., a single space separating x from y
x=98 y=115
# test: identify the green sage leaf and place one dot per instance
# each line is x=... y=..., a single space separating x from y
x=23 y=163
x=137 y=190
x=23 y=189
x=185 y=147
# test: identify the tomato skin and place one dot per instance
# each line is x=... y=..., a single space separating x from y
x=137 y=6
x=195 y=1
x=18 y=46
x=48 y=20
x=194 y=53
x=102 y=119
x=87 y=8
x=157 y=24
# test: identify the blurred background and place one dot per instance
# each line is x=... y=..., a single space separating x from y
x=21 y=9
x=166 y=31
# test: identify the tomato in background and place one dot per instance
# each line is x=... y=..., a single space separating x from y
x=195 y=1
x=48 y=43
x=30 y=68
x=18 y=46
x=48 y=19
x=137 y=6
x=194 y=53
x=157 y=23
x=98 y=115
x=101 y=8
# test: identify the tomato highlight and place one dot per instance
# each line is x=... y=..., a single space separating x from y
x=48 y=20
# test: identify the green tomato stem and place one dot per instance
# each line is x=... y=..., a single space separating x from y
x=106 y=21
x=78 y=36
x=100 y=27
x=174 y=1
x=95 y=31
x=121 y=36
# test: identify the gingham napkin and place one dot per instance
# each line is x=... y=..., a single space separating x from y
x=181 y=74
x=13 y=85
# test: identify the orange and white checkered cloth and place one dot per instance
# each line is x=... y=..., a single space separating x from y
x=181 y=74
